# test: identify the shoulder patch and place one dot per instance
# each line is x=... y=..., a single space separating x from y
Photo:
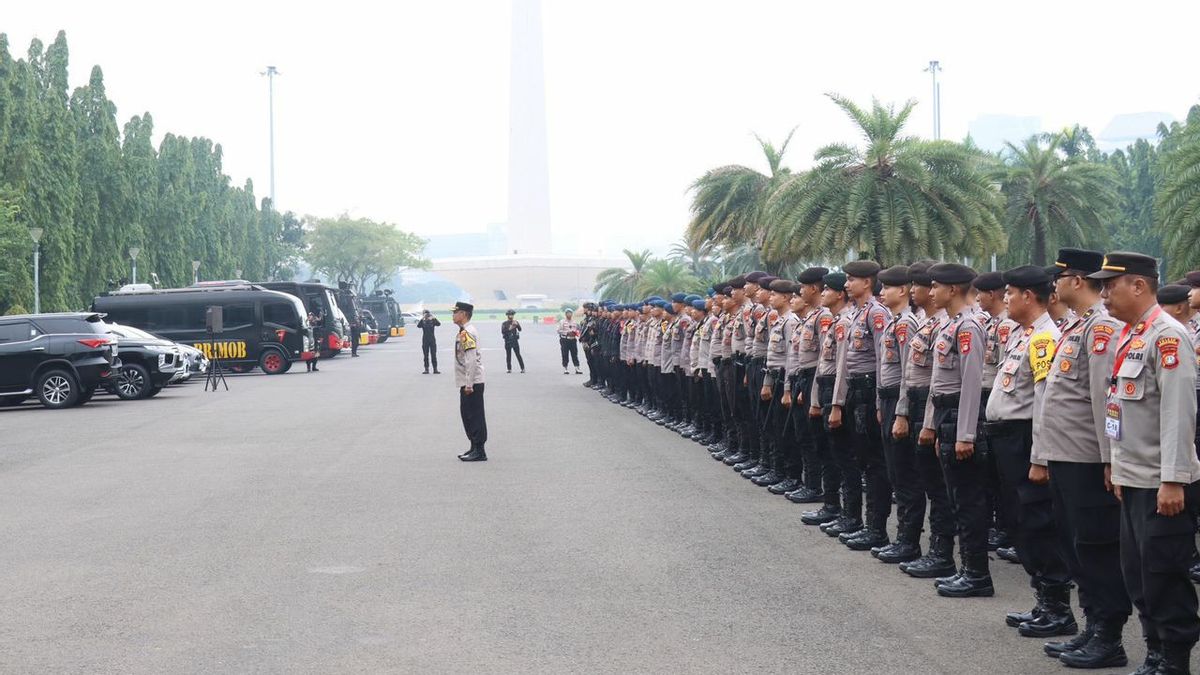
x=1100 y=340
x=964 y=342
x=1041 y=355
x=466 y=339
x=1168 y=350
x=1003 y=332
x=902 y=333
x=879 y=321
x=1103 y=328
x=826 y=322
x=773 y=316
x=840 y=332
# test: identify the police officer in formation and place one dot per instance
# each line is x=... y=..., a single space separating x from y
x=1050 y=411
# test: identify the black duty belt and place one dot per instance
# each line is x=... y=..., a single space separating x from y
x=918 y=393
x=1005 y=427
x=808 y=372
x=826 y=379
x=945 y=400
x=889 y=392
x=861 y=380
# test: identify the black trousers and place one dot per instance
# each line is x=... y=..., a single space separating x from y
x=901 y=460
x=471 y=410
x=775 y=434
x=428 y=350
x=1156 y=552
x=355 y=333
x=1036 y=535
x=929 y=469
x=511 y=348
x=738 y=404
x=966 y=484
x=670 y=392
x=569 y=348
x=752 y=405
x=841 y=449
x=1089 y=528
x=860 y=414
x=807 y=437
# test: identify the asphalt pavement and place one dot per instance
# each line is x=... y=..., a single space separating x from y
x=320 y=523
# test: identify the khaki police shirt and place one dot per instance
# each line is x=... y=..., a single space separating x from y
x=958 y=369
x=741 y=329
x=1150 y=414
x=704 y=339
x=668 y=358
x=1072 y=413
x=863 y=344
x=833 y=340
x=1193 y=325
x=998 y=329
x=468 y=361
x=918 y=365
x=1017 y=392
x=731 y=343
x=779 y=342
x=894 y=347
x=761 y=326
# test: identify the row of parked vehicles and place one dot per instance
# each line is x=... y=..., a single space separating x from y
x=138 y=340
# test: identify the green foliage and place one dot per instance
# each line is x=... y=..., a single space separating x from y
x=15 y=310
x=1178 y=200
x=621 y=284
x=729 y=205
x=895 y=199
x=360 y=251
x=1054 y=199
x=664 y=277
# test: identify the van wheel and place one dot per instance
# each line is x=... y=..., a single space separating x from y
x=273 y=362
x=132 y=382
x=57 y=389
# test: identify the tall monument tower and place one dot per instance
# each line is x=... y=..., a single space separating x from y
x=528 y=166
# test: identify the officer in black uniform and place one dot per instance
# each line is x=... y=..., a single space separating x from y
x=427 y=323
x=510 y=330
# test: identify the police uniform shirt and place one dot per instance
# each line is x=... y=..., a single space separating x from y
x=683 y=341
x=568 y=329
x=1065 y=319
x=808 y=335
x=733 y=328
x=762 y=327
x=833 y=339
x=1021 y=379
x=894 y=348
x=1150 y=414
x=1193 y=326
x=918 y=363
x=998 y=329
x=779 y=341
x=863 y=344
x=704 y=339
x=468 y=362
x=958 y=369
x=1072 y=413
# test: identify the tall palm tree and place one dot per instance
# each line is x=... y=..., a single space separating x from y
x=664 y=277
x=1177 y=204
x=895 y=199
x=729 y=202
x=1053 y=200
x=620 y=283
x=701 y=259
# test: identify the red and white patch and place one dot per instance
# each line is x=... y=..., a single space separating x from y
x=902 y=333
x=826 y=322
x=773 y=316
x=1100 y=342
x=879 y=322
x=1003 y=332
x=964 y=342
x=1168 y=349
x=840 y=332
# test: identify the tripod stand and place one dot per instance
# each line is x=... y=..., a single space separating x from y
x=215 y=373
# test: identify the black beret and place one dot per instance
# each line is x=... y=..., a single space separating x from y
x=989 y=281
x=1077 y=261
x=1173 y=293
x=756 y=277
x=895 y=276
x=1027 y=276
x=951 y=273
x=861 y=268
x=1192 y=279
x=765 y=281
x=728 y=290
x=737 y=282
x=1120 y=263
x=835 y=280
x=782 y=286
x=813 y=275
x=918 y=273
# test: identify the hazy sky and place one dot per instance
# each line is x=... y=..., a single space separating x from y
x=399 y=111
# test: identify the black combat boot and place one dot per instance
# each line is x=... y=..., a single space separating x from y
x=825 y=514
x=805 y=495
x=1057 y=617
x=872 y=537
x=1014 y=619
x=1154 y=657
x=843 y=524
x=1056 y=649
x=974 y=582
x=1104 y=650
x=770 y=477
x=939 y=562
x=1176 y=659
x=904 y=550
x=475 y=455
x=1009 y=553
x=784 y=486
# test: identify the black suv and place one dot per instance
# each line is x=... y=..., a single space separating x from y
x=148 y=363
x=60 y=358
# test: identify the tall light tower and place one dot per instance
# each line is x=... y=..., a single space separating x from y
x=35 y=233
x=934 y=68
x=270 y=73
x=195 y=271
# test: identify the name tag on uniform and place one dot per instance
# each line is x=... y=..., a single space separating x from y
x=1112 y=420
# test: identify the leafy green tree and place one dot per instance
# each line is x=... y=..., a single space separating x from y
x=664 y=277
x=16 y=258
x=701 y=260
x=1054 y=201
x=1134 y=229
x=729 y=203
x=895 y=199
x=1177 y=205
x=620 y=283
x=360 y=251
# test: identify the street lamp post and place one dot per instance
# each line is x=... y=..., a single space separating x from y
x=237 y=274
x=195 y=271
x=270 y=74
x=133 y=254
x=934 y=68
x=36 y=234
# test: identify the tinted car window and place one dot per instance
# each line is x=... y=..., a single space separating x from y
x=16 y=332
x=60 y=325
x=238 y=316
x=281 y=313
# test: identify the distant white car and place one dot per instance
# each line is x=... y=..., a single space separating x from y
x=412 y=317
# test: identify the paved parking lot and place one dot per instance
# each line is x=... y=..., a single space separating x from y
x=321 y=523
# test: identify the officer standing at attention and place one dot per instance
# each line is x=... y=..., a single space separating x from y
x=568 y=342
x=468 y=376
x=427 y=323
x=989 y=295
x=812 y=318
x=1014 y=414
x=510 y=330
x=1148 y=418
x=834 y=519
x=952 y=420
x=1069 y=456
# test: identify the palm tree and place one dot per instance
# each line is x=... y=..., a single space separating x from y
x=729 y=202
x=620 y=283
x=700 y=259
x=1177 y=204
x=1053 y=200
x=896 y=199
x=664 y=277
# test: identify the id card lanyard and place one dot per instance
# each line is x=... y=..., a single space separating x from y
x=1112 y=410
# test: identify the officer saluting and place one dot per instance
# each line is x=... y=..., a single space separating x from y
x=1148 y=417
x=468 y=375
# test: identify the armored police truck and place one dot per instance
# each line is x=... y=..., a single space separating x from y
x=261 y=328
x=333 y=331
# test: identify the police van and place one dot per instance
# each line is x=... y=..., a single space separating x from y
x=333 y=333
x=386 y=312
x=261 y=328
